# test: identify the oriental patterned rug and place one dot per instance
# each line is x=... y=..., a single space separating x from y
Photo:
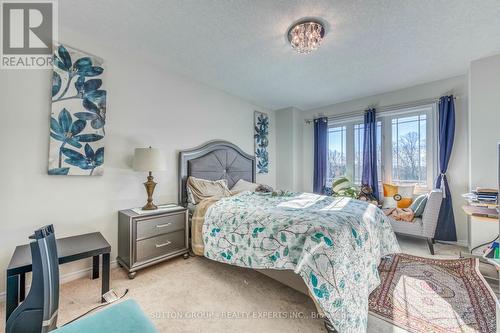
x=434 y=295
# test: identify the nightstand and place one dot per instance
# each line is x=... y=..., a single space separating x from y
x=149 y=238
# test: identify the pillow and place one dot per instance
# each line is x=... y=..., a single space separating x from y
x=242 y=185
x=199 y=189
x=418 y=205
x=398 y=196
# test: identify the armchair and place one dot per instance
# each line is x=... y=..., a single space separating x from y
x=425 y=226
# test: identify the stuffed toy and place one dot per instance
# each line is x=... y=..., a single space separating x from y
x=366 y=194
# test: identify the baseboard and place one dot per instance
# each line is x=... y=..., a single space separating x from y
x=460 y=242
x=71 y=276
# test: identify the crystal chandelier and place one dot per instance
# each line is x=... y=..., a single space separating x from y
x=306 y=36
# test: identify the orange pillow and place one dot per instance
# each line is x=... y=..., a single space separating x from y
x=398 y=196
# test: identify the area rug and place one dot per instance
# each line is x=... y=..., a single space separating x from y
x=433 y=295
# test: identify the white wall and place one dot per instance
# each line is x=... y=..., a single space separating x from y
x=484 y=121
x=146 y=106
x=284 y=150
x=458 y=168
x=289 y=148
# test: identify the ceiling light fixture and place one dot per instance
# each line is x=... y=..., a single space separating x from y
x=306 y=35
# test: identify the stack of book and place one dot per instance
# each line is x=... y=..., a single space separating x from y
x=483 y=197
x=487 y=196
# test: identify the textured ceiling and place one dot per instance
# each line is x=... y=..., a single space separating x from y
x=240 y=46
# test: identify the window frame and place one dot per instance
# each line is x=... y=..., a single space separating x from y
x=350 y=149
x=348 y=133
x=386 y=117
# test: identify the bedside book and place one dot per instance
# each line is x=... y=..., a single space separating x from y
x=161 y=209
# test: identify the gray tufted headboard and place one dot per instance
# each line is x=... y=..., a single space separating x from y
x=214 y=160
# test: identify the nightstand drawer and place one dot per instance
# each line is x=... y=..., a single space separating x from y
x=161 y=225
x=161 y=245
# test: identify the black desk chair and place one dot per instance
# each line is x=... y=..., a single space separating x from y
x=38 y=312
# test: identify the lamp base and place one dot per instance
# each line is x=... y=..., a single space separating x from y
x=149 y=206
x=150 y=187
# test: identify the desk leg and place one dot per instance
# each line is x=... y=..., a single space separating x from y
x=95 y=267
x=22 y=286
x=105 y=274
x=12 y=298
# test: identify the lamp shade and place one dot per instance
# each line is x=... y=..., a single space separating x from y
x=149 y=159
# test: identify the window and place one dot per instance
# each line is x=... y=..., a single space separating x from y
x=406 y=147
x=336 y=152
x=409 y=149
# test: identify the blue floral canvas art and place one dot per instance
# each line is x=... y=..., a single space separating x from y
x=261 y=136
x=78 y=115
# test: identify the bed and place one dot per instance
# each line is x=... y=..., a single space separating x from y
x=325 y=247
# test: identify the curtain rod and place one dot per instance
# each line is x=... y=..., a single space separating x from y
x=380 y=109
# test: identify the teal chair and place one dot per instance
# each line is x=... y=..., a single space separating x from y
x=124 y=317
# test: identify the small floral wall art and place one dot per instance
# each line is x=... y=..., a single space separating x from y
x=78 y=114
x=261 y=136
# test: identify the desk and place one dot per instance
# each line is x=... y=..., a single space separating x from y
x=68 y=249
x=482 y=225
x=483 y=212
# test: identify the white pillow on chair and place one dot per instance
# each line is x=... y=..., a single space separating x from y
x=398 y=196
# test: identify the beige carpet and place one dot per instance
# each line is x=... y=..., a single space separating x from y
x=214 y=297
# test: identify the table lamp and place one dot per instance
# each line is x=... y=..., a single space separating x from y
x=149 y=160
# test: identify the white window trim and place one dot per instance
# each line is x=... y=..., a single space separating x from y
x=386 y=145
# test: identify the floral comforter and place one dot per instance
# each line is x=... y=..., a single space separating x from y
x=335 y=244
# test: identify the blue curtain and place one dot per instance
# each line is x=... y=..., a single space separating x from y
x=369 y=176
x=446 y=222
x=320 y=154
